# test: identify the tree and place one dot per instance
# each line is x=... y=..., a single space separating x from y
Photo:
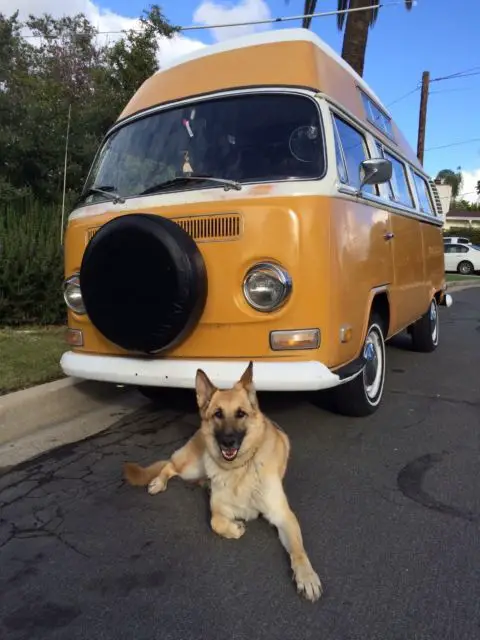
x=464 y=205
x=134 y=58
x=477 y=188
x=64 y=67
x=356 y=24
x=452 y=178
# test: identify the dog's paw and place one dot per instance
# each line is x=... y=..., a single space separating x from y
x=233 y=530
x=238 y=529
x=156 y=486
x=308 y=582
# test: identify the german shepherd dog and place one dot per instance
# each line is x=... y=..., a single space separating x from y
x=244 y=455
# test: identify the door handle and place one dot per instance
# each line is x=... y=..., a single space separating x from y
x=389 y=235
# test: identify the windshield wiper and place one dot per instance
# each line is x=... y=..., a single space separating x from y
x=105 y=190
x=227 y=184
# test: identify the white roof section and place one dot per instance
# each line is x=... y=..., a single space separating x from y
x=269 y=37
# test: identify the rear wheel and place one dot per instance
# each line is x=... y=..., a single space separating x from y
x=363 y=395
x=425 y=331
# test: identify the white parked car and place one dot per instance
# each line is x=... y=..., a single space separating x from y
x=454 y=239
x=462 y=258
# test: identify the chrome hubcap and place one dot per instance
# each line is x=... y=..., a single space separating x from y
x=372 y=363
x=434 y=321
x=373 y=372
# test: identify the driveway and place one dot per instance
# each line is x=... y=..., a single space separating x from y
x=389 y=506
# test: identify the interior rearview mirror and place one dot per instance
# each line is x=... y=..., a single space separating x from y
x=375 y=171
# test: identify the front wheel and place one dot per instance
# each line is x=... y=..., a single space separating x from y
x=363 y=395
x=425 y=331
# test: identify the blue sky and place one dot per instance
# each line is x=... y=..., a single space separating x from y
x=437 y=35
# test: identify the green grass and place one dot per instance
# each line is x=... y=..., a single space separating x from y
x=30 y=356
x=456 y=277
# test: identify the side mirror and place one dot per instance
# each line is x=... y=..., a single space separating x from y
x=375 y=171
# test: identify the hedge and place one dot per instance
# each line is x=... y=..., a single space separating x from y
x=472 y=234
x=31 y=265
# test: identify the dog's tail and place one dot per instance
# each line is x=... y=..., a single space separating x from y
x=139 y=476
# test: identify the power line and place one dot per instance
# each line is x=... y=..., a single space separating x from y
x=476 y=88
x=454 y=144
x=322 y=14
x=459 y=74
x=466 y=73
x=405 y=95
x=467 y=193
x=409 y=93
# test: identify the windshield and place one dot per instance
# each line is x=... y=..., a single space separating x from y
x=244 y=138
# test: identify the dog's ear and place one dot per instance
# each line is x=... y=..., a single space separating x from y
x=247 y=376
x=204 y=389
x=246 y=381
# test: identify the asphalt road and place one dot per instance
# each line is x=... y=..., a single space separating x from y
x=389 y=507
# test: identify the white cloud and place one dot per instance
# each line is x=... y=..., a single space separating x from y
x=211 y=12
x=177 y=46
x=103 y=20
x=470 y=179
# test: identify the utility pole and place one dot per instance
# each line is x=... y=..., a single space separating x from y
x=422 y=118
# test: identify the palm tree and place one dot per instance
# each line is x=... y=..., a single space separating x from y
x=452 y=178
x=357 y=25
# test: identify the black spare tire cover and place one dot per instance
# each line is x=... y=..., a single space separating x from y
x=144 y=282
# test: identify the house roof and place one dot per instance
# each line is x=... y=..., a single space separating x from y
x=464 y=214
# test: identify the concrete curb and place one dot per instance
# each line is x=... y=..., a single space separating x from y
x=24 y=412
x=452 y=288
x=48 y=438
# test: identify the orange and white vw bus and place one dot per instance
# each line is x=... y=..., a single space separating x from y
x=254 y=201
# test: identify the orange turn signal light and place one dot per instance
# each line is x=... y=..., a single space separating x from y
x=295 y=339
x=74 y=337
x=346 y=333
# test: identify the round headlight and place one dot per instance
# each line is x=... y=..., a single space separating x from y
x=72 y=295
x=267 y=286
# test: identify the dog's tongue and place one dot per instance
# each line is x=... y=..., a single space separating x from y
x=229 y=454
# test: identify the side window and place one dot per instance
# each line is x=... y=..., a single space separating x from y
x=461 y=249
x=399 y=188
x=424 y=198
x=382 y=154
x=376 y=116
x=355 y=150
x=341 y=168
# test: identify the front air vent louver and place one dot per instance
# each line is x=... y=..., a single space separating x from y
x=90 y=233
x=214 y=228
